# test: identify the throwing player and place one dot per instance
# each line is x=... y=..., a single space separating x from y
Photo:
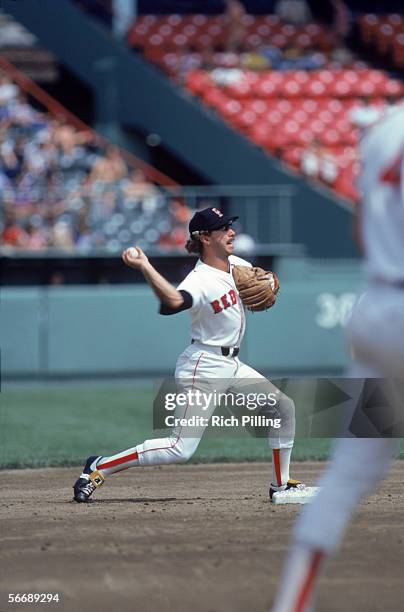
x=218 y=323
x=376 y=332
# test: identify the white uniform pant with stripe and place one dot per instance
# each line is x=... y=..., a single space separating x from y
x=205 y=369
x=358 y=465
x=375 y=333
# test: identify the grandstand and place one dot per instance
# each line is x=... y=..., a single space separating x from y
x=291 y=85
x=296 y=91
x=65 y=187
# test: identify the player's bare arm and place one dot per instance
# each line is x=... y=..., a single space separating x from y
x=165 y=292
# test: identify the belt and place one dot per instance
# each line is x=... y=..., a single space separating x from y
x=397 y=284
x=226 y=351
x=390 y=283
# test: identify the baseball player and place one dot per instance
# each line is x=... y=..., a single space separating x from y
x=376 y=332
x=218 y=323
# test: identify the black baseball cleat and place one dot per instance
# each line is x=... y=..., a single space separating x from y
x=295 y=492
x=291 y=484
x=90 y=479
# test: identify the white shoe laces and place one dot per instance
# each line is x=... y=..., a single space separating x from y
x=88 y=488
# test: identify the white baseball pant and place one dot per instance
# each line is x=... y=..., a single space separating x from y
x=205 y=368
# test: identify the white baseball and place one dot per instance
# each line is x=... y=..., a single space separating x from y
x=133 y=253
x=271 y=281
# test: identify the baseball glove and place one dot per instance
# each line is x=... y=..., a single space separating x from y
x=257 y=287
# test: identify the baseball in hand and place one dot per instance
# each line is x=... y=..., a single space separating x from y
x=133 y=253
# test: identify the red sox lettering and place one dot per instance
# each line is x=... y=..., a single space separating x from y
x=223 y=303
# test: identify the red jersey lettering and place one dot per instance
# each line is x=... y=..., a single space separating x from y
x=216 y=306
x=225 y=302
x=233 y=297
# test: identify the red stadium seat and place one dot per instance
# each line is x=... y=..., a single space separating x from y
x=198 y=81
x=385 y=38
x=345 y=183
x=292 y=155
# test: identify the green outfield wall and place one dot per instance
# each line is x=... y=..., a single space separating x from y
x=116 y=330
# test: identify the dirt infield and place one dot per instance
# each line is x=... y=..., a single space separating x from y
x=196 y=538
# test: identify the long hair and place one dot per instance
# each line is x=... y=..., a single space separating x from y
x=194 y=246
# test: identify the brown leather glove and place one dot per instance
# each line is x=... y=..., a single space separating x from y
x=257 y=287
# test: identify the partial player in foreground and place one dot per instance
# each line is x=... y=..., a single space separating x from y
x=212 y=292
x=376 y=333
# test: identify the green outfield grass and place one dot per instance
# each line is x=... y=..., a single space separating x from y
x=59 y=426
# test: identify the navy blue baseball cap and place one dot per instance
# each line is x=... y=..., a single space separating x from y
x=208 y=220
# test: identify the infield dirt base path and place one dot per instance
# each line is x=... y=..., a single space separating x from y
x=194 y=538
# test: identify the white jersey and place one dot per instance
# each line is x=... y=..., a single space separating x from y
x=382 y=186
x=217 y=313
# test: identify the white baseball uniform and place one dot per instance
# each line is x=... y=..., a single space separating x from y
x=376 y=332
x=217 y=327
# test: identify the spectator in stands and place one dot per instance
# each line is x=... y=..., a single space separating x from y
x=235 y=29
x=36 y=238
x=342 y=19
x=181 y=212
x=310 y=160
x=8 y=91
x=10 y=163
x=62 y=237
x=22 y=114
x=328 y=168
x=110 y=168
x=366 y=115
x=187 y=61
x=178 y=235
x=296 y=12
x=227 y=76
x=341 y=56
x=138 y=190
x=13 y=234
x=317 y=162
x=255 y=60
x=84 y=238
x=60 y=188
x=293 y=58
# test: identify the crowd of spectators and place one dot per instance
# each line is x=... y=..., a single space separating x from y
x=228 y=68
x=59 y=187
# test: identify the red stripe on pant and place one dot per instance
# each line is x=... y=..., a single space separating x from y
x=277 y=462
x=109 y=464
x=307 y=586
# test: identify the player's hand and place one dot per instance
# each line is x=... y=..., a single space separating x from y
x=138 y=262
